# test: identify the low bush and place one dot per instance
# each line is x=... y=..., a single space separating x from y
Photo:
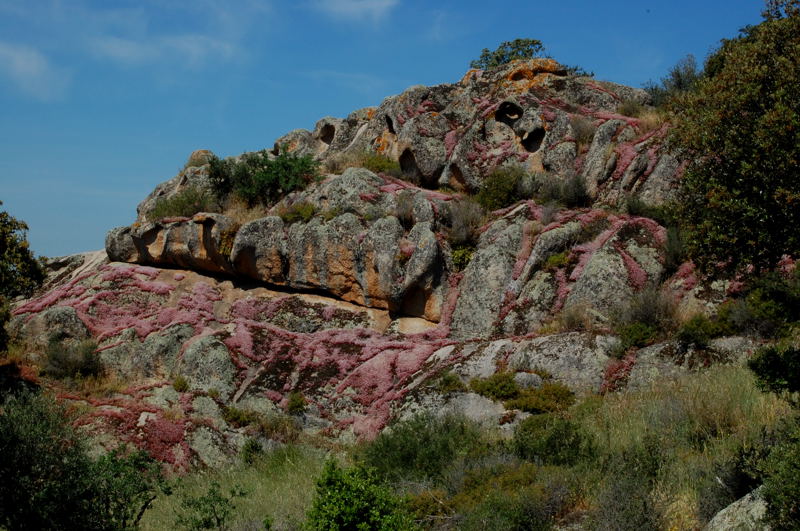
x=72 y=360
x=551 y=440
x=211 y=510
x=260 y=177
x=501 y=188
x=449 y=382
x=777 y=368
x=466 y=218
x=296 y=403
x=549 y=398
x=636 y=335
x=299 y=211
x=180 y=384
x=557 y=261
x=782 y=484
x=630 y=108
x=519 y=510
x=570 y=191
x=697 y=331
x=239 y=417
x=649 y=307
x=370 y=160
x=462 y=256
x=251 y=450
x=185 y=203
x=768 y=308
x=422 y=447
x=354 y=499
x=498 y=386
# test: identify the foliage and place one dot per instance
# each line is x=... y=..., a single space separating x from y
x=498 y=386
x=782 y=485
x=211 y=510
x=698 y=331
x=557 y=261
x=354 y=499
x=549 y=398
x=519 y=510
x=260 y=177
x=449 y=382
x=649 y=307
x=508 y=51
x=462 y=256
x=371 y=160
x=421 y=447
x=239 y=417
x=769 y=306
x=501 y=188
x=20 y=272
x=180 y=384
x=296 y=403
x=681 y=79
x=551 y=439
x=741 y=129
x=49 y=482
x=636 y=334
x=185 y=203
x=466 y=218
x=583 y=130
x=777 y=368
x=251 y=450
x=70 y=360
x=570 y=192
x=299 y=211
x=630 y=108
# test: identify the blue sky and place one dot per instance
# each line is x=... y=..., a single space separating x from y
x=102 y=100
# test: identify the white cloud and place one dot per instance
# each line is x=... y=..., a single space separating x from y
x=32 y=72
x=356 y=9
x=191 y=50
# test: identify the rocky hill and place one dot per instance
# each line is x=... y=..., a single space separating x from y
x=358 y=308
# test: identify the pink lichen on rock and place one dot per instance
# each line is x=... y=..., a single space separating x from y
x=637 y=276
x=626 y=154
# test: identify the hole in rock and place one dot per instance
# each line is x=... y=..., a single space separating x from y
x=532 y=140
x=326 y=133
x=390 y=125
x=519 y=75
x=414 y=302
x=408 y=165
x=508 y=113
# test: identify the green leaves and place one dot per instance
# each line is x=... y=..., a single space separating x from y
x=508 y=51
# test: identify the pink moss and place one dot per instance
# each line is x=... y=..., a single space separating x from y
x=562 y=290
x=450 y=142
x=637 y=277
x=369 y=197
x=525 y=250
x=627 y=154
x=548 y=115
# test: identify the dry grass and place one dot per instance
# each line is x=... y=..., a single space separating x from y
x=650 y=120
x=237 y=209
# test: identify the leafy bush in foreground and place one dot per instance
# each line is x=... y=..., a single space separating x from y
x=185 y=203
x=777 y=368
x=354 y=499
x=550 y=439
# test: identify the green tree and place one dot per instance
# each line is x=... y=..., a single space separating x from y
x=49 y=482
x=20 y=272
x=741 y=128
x=681 y=78
x=508 y=51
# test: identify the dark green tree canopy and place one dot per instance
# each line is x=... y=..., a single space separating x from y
x=20 y=272
x=741 y=127
x=508 y=51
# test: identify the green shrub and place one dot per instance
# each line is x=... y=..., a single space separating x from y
x=300 y=211
x=378 y=163
x=49 y=482
x=20 y=272
x=768 y=307
x=549 y=398
x=499 y=386
x=462 y=256
x=211 y=510
x=501 y=188
x=508 y=51
x=260 y=177
x=681 y=79
x=649 y=307
x=570 y=192
x=698 y=331
x=295 y=403
x=251 y=450
x=557 y=261
x=185 y=203
x=239 y=417
x=422 y=447
x=180 y=384
x=72 y=360
x=449 y=382
x=523 y=510
x=552 y=440
x=354 y=499
x=636 y=335
x=777 y=368
x=782 y=484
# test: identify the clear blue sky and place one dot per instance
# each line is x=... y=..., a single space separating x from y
x=101 y=100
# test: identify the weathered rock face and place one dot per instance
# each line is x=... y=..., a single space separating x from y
x=745 y=514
